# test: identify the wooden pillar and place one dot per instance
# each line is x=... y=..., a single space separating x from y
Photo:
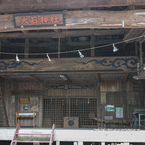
x=92 y=46
x=40 y=112
x=75 y=143
x=136 y=49
x=0 y=47
x=140 y=54
x=26 y=51
x=98 y=99
x=124 y=99
x=58 y=47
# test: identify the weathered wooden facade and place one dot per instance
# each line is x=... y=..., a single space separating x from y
x=68 y=59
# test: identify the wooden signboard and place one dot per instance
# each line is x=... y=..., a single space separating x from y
x=38 y=19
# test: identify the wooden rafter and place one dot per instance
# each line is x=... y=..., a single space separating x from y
x=68 y=79
x=97 y=77
x=25 y=32
x=34 y=78
x=133 y=33
x=125 y=77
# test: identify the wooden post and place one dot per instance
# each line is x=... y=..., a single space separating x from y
x=40 y=112
x=140 y=54
x=58 y=47
x=136 y=48
x=125 y=111
x=98 y=99
x=92 y=44
x=26 y=51
x=0 y=47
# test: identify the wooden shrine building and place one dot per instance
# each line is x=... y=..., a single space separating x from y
x=77 y=64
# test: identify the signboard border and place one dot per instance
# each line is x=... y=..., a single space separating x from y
x=35 y=14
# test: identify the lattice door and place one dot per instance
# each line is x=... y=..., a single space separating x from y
x=55 y=109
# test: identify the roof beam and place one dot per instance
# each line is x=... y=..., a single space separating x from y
x=63 y=34
x=88 y=64
x=32 y=5
x=86 y=19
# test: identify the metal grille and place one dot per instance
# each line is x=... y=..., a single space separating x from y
x=55 y=109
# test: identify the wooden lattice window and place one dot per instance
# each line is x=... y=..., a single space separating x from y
x=55 y=109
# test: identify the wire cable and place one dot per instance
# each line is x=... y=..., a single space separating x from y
x=72 y=51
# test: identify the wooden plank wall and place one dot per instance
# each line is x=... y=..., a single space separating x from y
x=10 y=105
x=110 y=92
x=29 y=90
x=72 y=92
x=34 y=101
x=113 y=93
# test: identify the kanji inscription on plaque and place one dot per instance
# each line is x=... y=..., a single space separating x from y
x=39 y=19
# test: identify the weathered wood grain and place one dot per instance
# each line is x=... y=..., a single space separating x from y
x=61 y=65
x=13 y=6
x=113 y=89
x=86 y=19
x=63 y=34
x=111 y=86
